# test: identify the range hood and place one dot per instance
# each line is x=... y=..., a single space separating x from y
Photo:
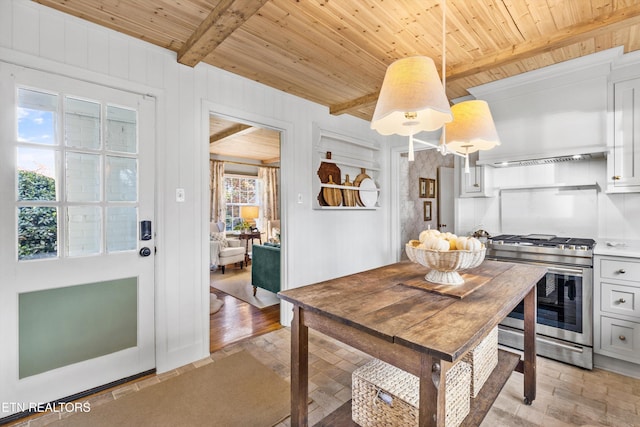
x=572 y=155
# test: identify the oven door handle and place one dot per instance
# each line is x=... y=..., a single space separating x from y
x=575 y=348
x=565 y=270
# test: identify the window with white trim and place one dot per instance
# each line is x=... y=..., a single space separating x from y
x=240 y=191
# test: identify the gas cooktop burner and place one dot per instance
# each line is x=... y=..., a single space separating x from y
x=543 y=240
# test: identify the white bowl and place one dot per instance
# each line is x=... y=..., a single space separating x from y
x=444 y=265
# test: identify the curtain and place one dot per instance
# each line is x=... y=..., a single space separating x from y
x=270 y=196
x=218 y=202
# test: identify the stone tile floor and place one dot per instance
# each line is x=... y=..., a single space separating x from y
x=567 y=396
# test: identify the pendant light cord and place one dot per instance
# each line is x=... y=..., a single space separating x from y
x=444 y=46
x=443 y=147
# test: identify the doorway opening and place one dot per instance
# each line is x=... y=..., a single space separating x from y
x=245 y=230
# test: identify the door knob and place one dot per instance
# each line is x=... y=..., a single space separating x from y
x=145 y=251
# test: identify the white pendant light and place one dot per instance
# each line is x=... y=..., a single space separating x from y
x=472 y=128
x=412 y=99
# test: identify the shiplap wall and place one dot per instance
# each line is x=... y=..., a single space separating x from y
x=317 y=245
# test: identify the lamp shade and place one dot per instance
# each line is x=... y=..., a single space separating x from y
x=412 y=99
x=249 y=212
x=472 y=128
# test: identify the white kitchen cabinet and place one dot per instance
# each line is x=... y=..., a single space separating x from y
x=476 y=183
x=623 y=165
x=617 y=307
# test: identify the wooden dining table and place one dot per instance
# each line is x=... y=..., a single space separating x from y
x=393 y=314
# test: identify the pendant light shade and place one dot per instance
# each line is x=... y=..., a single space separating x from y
x=412 y=99
x=472 y=128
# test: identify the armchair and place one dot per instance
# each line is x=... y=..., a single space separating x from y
x=224 y=251
x=265 y=268
x=273 y=230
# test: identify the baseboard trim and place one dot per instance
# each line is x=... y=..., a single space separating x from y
x=617 y=366
x=19 y=415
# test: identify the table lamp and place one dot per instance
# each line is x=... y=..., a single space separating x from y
x=249 y=214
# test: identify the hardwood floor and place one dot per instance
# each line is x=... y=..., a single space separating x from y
x=238 y=320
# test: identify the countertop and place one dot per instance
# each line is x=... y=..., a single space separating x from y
x=394 y=304
x=617 y=247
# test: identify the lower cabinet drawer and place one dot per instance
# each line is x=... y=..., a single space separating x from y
x=619 y=270
x=620 y=338
x=620 y=299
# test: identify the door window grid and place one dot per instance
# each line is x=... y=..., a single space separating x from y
x=90 y=180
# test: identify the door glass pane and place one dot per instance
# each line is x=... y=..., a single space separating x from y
x=122 y=179
x=83 y=177
x=37 y=117
x=82 y=123
x=121 y=229
x=37 y=232
x=36 y=174
x=84 y=230
x=121 y=130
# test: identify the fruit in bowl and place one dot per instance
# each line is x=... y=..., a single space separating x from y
x=445 y=254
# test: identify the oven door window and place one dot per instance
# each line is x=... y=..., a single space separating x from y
x=559 y=302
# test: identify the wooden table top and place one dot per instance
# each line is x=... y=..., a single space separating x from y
x=392 y=303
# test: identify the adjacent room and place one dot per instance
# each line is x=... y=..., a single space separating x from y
x=245 y=232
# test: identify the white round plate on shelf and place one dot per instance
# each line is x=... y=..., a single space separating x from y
x=368 y=192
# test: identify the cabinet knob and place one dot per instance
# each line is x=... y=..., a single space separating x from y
x=622 y=271
x=616 y=177
x=622 y=301
x=622 y=338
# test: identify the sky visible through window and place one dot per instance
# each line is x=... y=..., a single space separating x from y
x=36 y=126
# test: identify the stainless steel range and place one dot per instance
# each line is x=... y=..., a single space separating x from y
x=565 y=295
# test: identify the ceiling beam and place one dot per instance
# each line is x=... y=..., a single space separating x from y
x=234 y=131
x=563 y=38
x=567 y=36
x=345 y=107
x=271 y=161
x=224 y=19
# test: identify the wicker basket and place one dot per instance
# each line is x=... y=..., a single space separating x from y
x=483 y=359
x=383 y=395
x=445 y=265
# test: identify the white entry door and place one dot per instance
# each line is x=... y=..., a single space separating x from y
x=76 y=285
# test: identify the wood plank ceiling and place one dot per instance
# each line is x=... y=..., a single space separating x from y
x=335 y=52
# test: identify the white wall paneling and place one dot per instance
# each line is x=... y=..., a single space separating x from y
x=319 y=245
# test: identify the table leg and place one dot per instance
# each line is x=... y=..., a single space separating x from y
x=431 y=411
x=530 y=315
x=299 y=369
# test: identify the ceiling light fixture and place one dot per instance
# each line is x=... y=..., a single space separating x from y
x=412 y=99
x=472 y=129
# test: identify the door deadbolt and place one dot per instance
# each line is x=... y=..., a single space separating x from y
x=145 y=251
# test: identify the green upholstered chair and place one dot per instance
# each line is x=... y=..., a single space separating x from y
x=265 y=267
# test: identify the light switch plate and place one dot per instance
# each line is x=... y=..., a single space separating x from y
x=180 y=195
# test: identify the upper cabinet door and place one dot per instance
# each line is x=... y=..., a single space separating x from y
x=624 y=164
x=477 y=182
